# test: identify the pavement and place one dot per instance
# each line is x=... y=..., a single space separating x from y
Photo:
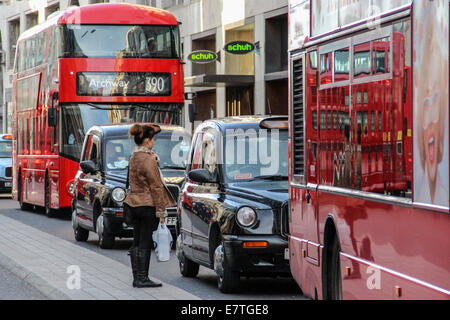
x=61 y=270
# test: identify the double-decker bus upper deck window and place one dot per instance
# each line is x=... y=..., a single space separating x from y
x=121 y=41
x=361 y=60
x=341 y=64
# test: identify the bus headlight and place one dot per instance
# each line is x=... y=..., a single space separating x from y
x=71 y=188
x=246 y=216
x=118 y=194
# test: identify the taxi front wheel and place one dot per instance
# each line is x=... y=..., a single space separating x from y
x=228 y=280
x=105 y=240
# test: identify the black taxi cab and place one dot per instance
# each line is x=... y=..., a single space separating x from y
x=233 y=206
x=6 y=163
x=99 y=185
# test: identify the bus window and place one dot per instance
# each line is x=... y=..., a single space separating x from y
x=114 y=41
x=365 y=121
x=323 y=120
x=381 y=57
x=361 y=60
x=39 y=49
x=28 y=54
x=326 y=68
x=335 y=120
x=341 y=64
x=372 y=121
x=314 y=120
x=380 y=122
x=32 y=53
x=329 y=119
x=313 y=59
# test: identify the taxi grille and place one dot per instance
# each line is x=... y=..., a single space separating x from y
x=284 y=219
x=174 y=190
x=8 y=172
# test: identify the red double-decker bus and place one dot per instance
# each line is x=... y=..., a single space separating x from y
x=92 y=65
x=369 y=149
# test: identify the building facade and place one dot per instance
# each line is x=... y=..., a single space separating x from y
x=252 y=83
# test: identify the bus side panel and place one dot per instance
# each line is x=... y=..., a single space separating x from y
x=406 y=243
x=67 y=175
x=305 y=255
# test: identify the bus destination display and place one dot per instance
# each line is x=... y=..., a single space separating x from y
x=107 y=84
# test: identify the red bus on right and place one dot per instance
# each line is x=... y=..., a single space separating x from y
x=369 y=134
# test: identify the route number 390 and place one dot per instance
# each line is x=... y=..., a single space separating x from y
x=154 y=84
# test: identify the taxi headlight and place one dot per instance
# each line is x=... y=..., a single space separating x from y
x=118 y=194
x=246 y=216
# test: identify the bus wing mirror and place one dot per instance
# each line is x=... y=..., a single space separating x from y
x=52 y=117
x=192 y=112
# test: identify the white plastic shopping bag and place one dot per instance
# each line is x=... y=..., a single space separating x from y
x=162 y=239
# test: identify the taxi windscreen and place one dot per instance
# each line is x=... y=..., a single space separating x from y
x=172 y=148
x=5 y=149
x=256 y=154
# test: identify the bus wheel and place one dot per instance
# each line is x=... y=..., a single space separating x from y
x=23 y=206
x=49 y=212
x=335 y=280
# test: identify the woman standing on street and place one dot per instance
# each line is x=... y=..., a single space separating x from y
x=147 y=200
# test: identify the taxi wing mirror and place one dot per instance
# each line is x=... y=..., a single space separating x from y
x=202 y=176
x=88 y=166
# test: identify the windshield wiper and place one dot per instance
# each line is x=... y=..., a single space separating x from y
x=271 y=177
x=173 y=167
x=130 y=106
x=108 y=108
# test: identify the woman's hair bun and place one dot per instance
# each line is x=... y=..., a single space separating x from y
x=136 y=130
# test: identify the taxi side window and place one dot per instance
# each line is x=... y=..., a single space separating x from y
x=87 y=149
x=96 y=151
x=204 y=154
x=197 y=149
x=209 y=152
x=92 y=148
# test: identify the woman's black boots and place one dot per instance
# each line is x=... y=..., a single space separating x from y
x=133 y=258
x=140 y=265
